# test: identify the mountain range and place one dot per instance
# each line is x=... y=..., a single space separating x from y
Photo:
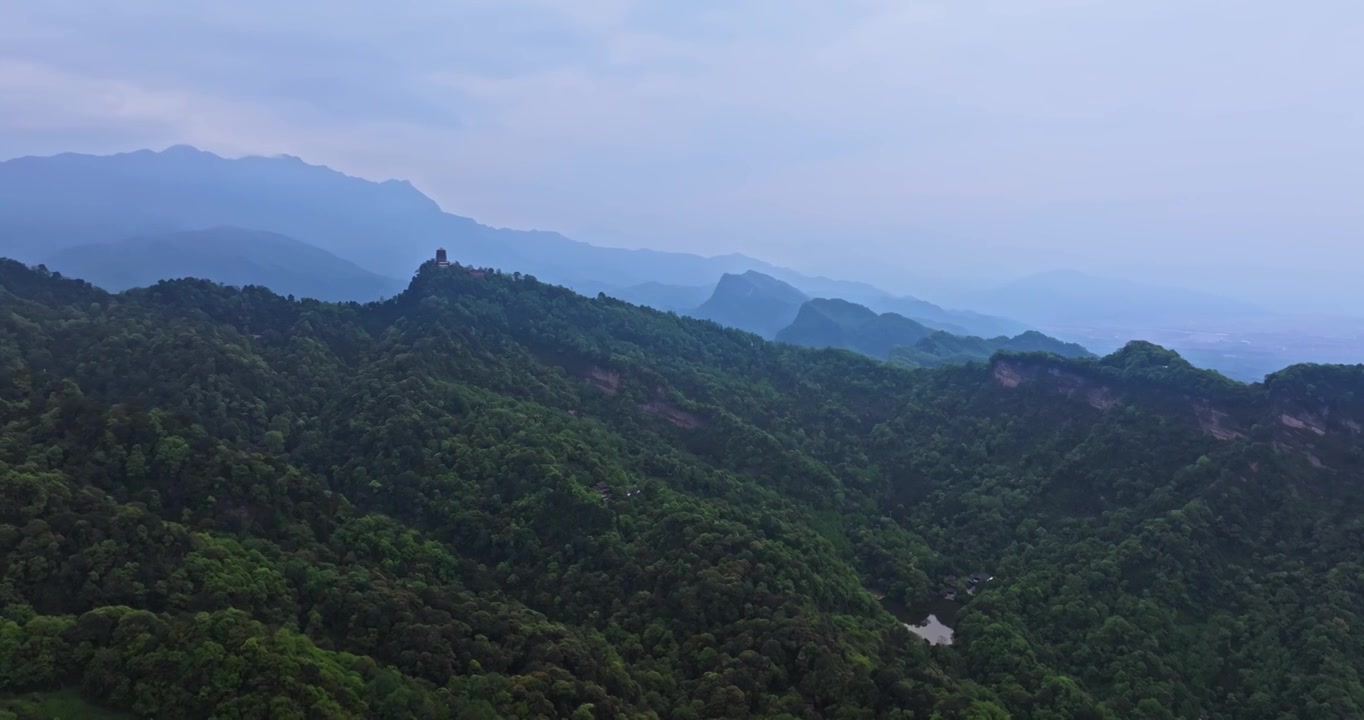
x=376 y=231
x=387 y=228
x=232 y=256
x=492 y=497
x=131 y=220
x=838 y=323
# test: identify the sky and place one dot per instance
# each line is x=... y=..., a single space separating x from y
x=930 y=146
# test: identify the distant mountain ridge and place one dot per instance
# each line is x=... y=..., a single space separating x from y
x=227 y=255
x=888 y=336
x=755 y=302
x=843 y=324
x=657 y=295
x=386 y=227
x=942 y=348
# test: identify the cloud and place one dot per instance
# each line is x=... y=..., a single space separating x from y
x=900 y=141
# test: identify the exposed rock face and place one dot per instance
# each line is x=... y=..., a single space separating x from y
x=1216 y=423
x=673 y=414
x=608 y=381
x=1307 y=452
x=1011 y=374
x=1304 y=422
x=1301 y=429
x=1307 y=414
x=1007 y=374
x=1101 y=398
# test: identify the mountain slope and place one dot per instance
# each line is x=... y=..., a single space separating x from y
x=888 y=336
x=232 y=256
x=491 y=497
x=960 y=322
x=842 y=324
x=754 y=302
x=941 y=348
x=386 y=227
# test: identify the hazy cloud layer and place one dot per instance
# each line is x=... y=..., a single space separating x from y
x=910 y=142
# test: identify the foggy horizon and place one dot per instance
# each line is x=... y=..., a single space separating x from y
x=933 y=148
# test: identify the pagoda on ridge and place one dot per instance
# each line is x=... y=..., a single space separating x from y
x=441 y=260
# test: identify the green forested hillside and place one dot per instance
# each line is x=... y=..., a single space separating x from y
x=942 y=348
x=491 y=497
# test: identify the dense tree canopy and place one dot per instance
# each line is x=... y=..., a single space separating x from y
x=491 y=497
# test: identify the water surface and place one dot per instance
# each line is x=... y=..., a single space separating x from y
x=932 y=622
x=932 y=630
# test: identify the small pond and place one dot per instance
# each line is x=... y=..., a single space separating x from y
x=932 y=622
x=933 y=631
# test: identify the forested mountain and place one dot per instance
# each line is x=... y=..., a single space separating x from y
x=388 y=228
x=940 y=348
x=766 y=306
x=826 y=323
x=231 y=256
x=959 y=322
x=493 y=497
x=841 y=324
x=754 y=302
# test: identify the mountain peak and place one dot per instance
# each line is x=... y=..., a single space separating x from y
x=754 y=302
x=182 y=149
x=1144 y=355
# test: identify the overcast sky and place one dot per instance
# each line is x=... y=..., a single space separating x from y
x=921 y=144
